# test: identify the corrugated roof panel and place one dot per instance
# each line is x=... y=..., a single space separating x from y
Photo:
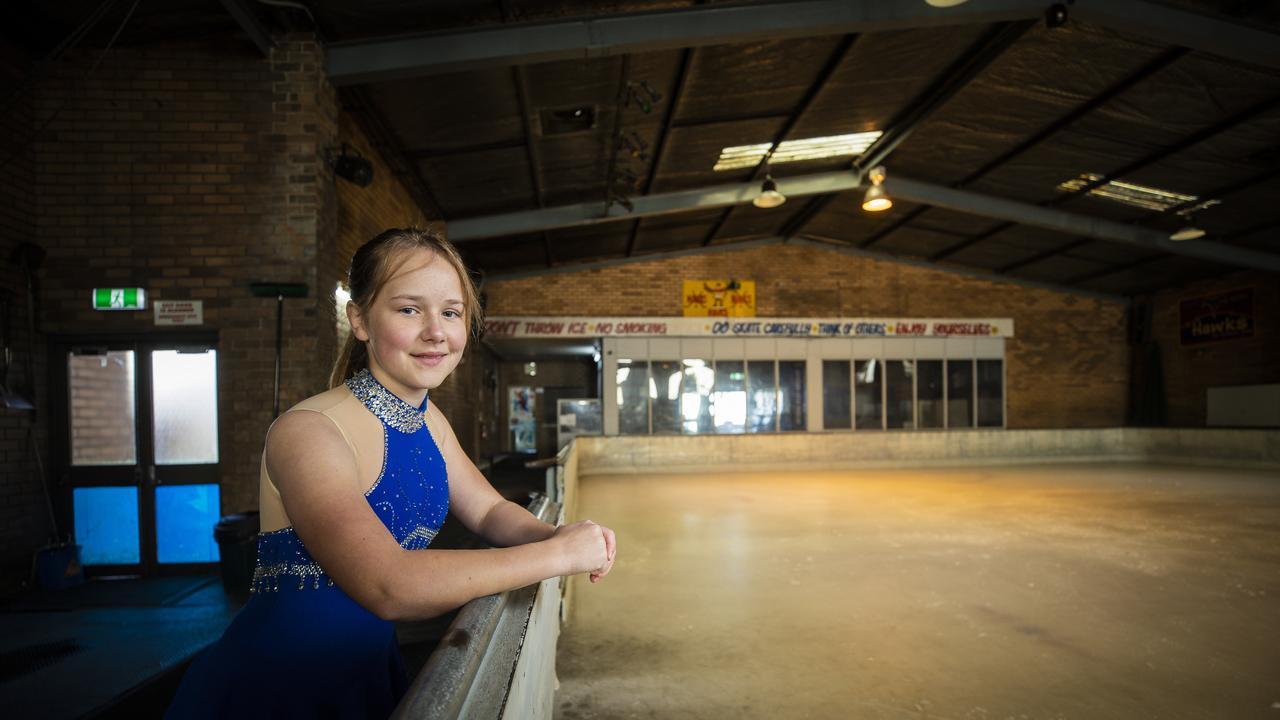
x=480 y=183
x=450 y=112
x=1045 y=76
x=753 y=79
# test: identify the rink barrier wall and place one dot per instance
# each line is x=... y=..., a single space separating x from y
x=785 y=451
x=497 y=659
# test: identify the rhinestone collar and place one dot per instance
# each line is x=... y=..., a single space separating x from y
x=388 y=406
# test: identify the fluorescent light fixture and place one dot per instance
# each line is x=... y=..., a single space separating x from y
x=945 y=3
x=1190 y=232
x=1142 y=196
x=745 y=156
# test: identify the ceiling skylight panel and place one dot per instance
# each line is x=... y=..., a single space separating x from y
x=742 y=156
x=1142 y=196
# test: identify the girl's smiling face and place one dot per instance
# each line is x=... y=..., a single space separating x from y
x=415 y=329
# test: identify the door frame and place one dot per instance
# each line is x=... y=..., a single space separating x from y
x=144 y=474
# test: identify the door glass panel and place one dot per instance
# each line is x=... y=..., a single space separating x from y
x=185 y=516
x=929 y=392
x=633 y=397
x=762 y=403
x=868 y=374
x=106 y=520
x=695 y=396
x=101 y=393
x=729 y=400
x=664 y=391
x=791 y=395
x=990 y=393
x=959 y=393
x=836 y=395
x=184 y=389
x=899 y=377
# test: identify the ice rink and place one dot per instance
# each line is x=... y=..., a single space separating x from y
x=1063 y=591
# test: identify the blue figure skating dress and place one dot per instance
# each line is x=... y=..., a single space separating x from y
x=301 y=647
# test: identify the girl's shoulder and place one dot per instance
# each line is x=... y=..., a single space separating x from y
x=327 y=401
x=334 y=409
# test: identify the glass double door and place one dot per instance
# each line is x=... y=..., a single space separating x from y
x=136 y=432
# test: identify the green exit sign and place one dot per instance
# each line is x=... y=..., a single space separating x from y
x=119 y=299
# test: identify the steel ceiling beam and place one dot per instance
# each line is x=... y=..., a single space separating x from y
x=964 y=201
x=593 y=213
x=381 y=59
x=1053 y=219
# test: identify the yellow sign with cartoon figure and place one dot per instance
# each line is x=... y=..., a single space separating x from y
x=719 y=298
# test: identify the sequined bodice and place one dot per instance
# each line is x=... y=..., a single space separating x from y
x=410 y=496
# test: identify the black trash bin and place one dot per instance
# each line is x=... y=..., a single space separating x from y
x=237 y=537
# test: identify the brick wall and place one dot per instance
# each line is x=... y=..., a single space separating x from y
x=23 y=519
x=193 y=171
x=366 y=212
x=466 y=398
x=1189 y=371
x=1067 y=364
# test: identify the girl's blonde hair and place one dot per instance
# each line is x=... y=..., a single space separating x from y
x=375 y=263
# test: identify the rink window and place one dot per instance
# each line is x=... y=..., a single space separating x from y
x=905 y=394
x=896 y=385
x=695 y=396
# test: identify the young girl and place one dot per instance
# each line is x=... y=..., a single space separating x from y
x=355 y=483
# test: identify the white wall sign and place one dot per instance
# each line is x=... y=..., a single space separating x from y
x=553 y=327
x=179 y=312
